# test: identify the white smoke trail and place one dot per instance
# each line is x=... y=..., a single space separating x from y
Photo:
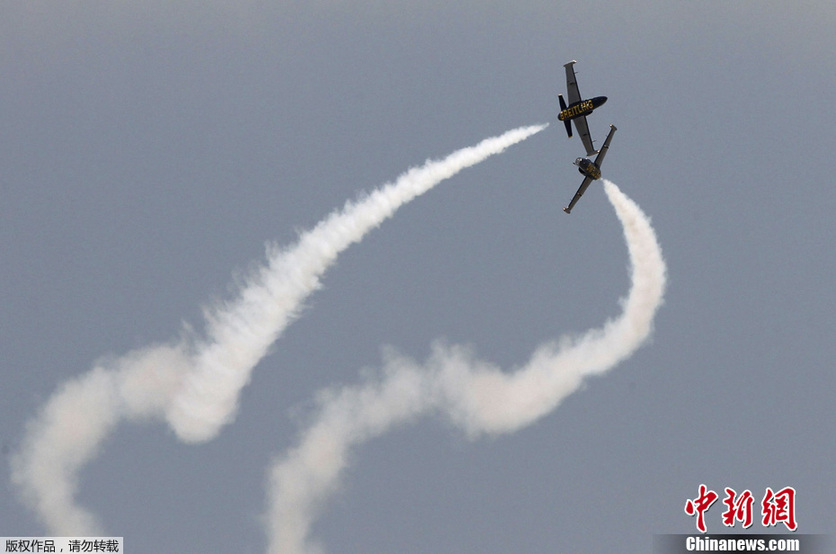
x=475 y=395
x=241 y=333
x=195 y=385
x=71 y=427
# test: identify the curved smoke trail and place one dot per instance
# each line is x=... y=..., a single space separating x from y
x=195 y=384
x=241 y=333
x=475 y=395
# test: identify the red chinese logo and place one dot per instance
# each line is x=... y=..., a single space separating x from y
x=700 y=505
x=777 y=507
x=739 y=508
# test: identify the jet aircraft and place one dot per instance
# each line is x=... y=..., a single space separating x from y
x=590 y=170
x=578 y=109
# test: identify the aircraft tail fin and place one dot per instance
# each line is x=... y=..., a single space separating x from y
x=566 y=122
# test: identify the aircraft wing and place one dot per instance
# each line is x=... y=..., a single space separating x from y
x=581 y=190
x=600 y=159
x=586 y=138
x=572 y=92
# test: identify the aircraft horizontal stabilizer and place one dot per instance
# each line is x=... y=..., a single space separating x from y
x=567 y=122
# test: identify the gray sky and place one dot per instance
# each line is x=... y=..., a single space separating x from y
x=149 y=153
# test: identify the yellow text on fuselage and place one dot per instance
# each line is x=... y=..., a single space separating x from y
x=576 y=110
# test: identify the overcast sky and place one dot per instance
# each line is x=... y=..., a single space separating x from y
x=149 y=153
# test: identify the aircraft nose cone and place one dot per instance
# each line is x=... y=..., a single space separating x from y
x=599 y=101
